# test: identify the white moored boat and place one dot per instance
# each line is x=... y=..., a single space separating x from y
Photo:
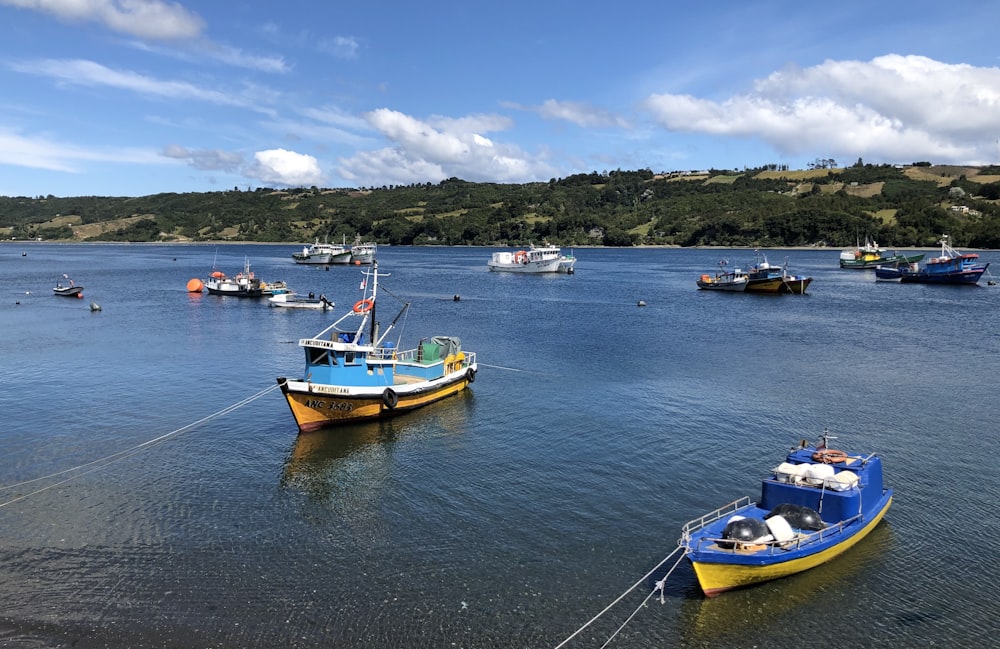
x=291 y=300
x=323 y=253
x=536 y=259
x=363 y=253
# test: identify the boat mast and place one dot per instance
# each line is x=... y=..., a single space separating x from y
x=374 y=324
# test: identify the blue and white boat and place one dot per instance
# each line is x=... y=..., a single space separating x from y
x=815 y=505
x=354 y=373
x=950 y=267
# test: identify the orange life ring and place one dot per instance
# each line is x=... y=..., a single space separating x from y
x=363 y=306
x=829 y=456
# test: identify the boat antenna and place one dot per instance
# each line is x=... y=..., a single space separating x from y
x=825 y=439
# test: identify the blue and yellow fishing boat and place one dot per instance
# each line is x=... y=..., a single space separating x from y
x=950 y=267
x=814 y=506
x=354 y=373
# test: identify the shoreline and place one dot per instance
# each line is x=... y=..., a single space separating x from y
x=293 y=244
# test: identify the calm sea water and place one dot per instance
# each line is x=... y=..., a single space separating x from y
x=507 y=516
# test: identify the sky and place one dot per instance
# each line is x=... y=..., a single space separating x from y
x=139 y=97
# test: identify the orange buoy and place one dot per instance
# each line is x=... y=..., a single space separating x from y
x=194 y=285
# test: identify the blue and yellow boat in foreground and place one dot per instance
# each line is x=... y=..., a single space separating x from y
x=814 y=506
x=354 y=373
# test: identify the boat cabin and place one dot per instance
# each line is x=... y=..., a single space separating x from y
x=838 y=491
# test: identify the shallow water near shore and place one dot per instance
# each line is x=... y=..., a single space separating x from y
x=507 y=516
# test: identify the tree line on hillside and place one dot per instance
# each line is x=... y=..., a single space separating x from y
x=617 y=208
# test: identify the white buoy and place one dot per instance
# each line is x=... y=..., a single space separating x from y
x=94 y=306
x=641 y=303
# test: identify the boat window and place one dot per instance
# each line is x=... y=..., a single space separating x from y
x=319 y=356
x=352 y=358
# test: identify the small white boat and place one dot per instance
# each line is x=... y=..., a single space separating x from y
x=244 y=284
x=67 y=290
x=733 y=281
x=290 y=300
x=536 y=259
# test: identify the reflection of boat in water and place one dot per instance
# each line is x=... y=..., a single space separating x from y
x=316 y=457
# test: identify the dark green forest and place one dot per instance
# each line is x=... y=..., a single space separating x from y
x=909 y=205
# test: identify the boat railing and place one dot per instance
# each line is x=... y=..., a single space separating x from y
x=770 y=546
x=696 y=524
x=412 y=356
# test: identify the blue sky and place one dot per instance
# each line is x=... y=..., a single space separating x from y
x=137 y=97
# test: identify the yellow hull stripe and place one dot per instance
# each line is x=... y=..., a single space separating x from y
x=315 y=410
x=718 y=577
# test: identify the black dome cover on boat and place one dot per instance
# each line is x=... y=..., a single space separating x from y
x=744 y=530
x=798 y=516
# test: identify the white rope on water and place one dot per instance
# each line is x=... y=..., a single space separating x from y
x=108 y=460
x=501 y=367
x=659 y=586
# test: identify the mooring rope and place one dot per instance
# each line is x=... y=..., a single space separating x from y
x=501 y=367
x=108 y=460
x=622 y=596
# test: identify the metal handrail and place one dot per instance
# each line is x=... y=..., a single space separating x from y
x=773 y=546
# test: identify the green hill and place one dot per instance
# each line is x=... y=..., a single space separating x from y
x=898 y=206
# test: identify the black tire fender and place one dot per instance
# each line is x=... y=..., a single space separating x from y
x=471 y=375
x=390 y=398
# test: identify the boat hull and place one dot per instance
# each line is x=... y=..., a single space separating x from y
x=311 y=259
x=315 y=406
x=779 y=285
x=959 y=277
x=549 y=266
x=68 y=291
x=234 y=292
x=729 y=287
x=718 y=577
x=293 y=301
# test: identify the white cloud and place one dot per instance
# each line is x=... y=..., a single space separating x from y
x=148 y=19
x=892 y=108
x=205 y=159
x=439 y=148
x=42 y=152
x=286 y=168
x=341 y=47
x=88 y=73
x=579 y=113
